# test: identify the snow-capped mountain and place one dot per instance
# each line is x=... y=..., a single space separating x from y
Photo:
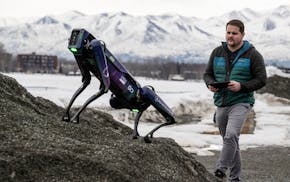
x=137 y=37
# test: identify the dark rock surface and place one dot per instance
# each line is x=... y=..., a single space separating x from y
x=278 y=86
x=35 y=145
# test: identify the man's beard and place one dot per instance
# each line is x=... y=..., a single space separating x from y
x=234 y=44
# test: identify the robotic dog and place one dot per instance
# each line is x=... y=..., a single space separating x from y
x=92 y=56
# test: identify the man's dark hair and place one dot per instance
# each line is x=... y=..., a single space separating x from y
x=237 y=23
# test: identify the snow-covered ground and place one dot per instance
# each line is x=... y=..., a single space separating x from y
x=272 y=114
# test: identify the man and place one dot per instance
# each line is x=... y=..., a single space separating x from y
x=239 y=63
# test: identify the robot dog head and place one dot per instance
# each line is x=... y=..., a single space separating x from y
x=77 y=40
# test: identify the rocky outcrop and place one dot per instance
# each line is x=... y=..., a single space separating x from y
x=248 y=127
x=278 y=86
x=35 y=145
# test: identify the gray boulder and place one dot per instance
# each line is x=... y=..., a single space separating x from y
x=278 y=86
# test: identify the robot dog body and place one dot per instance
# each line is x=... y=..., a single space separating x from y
x=93 y=57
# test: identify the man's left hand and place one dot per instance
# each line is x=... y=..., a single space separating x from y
x=234 y=86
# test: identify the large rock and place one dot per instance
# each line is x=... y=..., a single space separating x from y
x=35 y=145
x=248 y=127
x=278 y=86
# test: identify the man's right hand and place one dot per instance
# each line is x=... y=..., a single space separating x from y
x=213 y=89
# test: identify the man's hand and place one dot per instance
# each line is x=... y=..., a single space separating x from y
x=234 y=86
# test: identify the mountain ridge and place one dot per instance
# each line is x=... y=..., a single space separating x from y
x=188 y=39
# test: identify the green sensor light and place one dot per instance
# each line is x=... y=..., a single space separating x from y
x=135 y=110
x=73 y=50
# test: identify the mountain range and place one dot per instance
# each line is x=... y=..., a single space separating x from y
x=169 y=36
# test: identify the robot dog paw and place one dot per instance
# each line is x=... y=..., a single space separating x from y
x=66 y=118
x=76 y=120
x=135 y=135
x=147 y=139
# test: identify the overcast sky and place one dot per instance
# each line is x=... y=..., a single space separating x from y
x=200 y=9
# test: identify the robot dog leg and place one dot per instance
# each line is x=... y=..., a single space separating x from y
x=136 y=122
x=66 y=117
x=75 y=118
x=151 y=97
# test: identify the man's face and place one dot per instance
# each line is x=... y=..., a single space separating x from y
x=234 y=37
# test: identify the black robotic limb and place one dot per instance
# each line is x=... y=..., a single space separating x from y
x=153 y=99
x=75 y=118
x=146 y=97
x=150 y=134
x=86 y=82
x=136 y=122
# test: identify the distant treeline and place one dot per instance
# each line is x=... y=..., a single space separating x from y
x=165 y=69
x=152 y=68
x=7 y=64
